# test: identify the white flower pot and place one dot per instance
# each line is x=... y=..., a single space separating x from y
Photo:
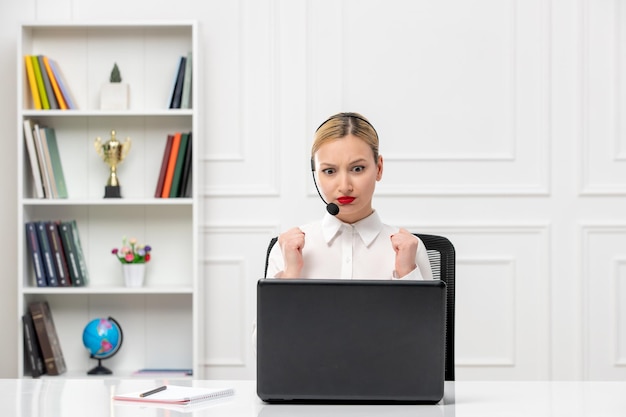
x=134 y=274
x=114 y=96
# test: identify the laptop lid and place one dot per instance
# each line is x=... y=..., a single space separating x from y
x=350 y=340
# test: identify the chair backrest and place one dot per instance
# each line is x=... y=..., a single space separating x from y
x=442 y=259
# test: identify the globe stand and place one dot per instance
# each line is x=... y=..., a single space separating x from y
x=100 y=370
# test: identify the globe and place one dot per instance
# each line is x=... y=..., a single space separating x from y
x=103 y=338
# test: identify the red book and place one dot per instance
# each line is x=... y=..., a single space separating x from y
x=169 y=175
x=164 y=163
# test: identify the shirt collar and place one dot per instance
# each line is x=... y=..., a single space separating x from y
x=367 y=228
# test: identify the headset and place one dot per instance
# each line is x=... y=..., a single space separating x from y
x=333 y=208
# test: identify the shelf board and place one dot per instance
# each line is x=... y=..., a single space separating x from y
x=108 y=202
x=106 y=290
x=100 y=113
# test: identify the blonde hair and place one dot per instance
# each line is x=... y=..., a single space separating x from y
x=343 y=124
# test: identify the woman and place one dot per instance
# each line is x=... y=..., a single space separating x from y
x=353 y=243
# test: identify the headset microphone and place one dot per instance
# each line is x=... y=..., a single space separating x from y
x=331 y=208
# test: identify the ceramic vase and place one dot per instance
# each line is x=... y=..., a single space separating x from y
x=134 y=274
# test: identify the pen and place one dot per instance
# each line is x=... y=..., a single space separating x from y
x=153 y=391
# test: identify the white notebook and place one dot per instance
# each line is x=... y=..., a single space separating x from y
x=176 y=394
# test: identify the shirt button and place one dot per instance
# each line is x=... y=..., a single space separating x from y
x=347 y=260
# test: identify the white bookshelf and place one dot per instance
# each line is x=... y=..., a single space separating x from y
x=159 y=320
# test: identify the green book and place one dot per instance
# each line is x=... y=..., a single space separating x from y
x=185 y=102
x=82 y=263
x=178 y=168
x=40 y=86
x=55 y=159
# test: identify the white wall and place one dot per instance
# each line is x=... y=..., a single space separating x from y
x=501 y=125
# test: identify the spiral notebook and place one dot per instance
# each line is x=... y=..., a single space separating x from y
x=176 y=394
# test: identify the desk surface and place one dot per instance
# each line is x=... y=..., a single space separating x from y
x=92 y=396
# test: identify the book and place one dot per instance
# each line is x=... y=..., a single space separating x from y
x=55 y=162
x=44 y=162
x=55 y=85
x=178 y=168
x=185 y=101
x=32 y=82
x=171 y=164
x=58 y=75
x=46 y=255
x=32 y=242
x=71 y=254
x=82 y=263
x=32 y=351
x=29 y=140
x=45 y=105
x=56 y=247
x=47 y=84
x=178 y=85
x=176 y=394
x=47 y=337
x=185 y=179
x=164 y=162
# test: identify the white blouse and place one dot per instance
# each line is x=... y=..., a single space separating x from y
x=363 y=250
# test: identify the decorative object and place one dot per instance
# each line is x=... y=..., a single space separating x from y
x=103 y=338
x=133 y=257
x=134 y=274
x=112 y=152
x=114 y=94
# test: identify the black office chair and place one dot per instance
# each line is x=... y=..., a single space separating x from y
x=442 y=259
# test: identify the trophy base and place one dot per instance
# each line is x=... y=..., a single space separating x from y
x=112 y=191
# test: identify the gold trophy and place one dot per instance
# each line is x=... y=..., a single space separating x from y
x=112 y=152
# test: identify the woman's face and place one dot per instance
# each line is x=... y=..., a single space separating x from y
x=347 y=175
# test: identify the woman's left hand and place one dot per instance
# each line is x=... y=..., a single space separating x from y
x=404 y=244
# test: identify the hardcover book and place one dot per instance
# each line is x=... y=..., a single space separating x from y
x=178 y=168
x=52 y=101
x=47 y=337
x=40 y=86
x=32 y=82
x=46 y=254
x=32 y=242
x=55 y=162
x=178 y=85
x=55 y=85
x=32 y=351
x=47 y=175
x=79 y=252
x=71 y=254
x=171 y=165
x=185 y=179
x=65 y=91
x=185 y=101
x=56 y=247
x=164 y=162
x=33 y=159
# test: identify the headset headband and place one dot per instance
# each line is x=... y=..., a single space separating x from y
x=352 y=115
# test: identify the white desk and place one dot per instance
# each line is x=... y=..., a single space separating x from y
x=92 y=397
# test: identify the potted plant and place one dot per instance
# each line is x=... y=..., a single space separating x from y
x=114 y=94
x=133 y=258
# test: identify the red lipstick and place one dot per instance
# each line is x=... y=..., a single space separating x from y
x=345 y=200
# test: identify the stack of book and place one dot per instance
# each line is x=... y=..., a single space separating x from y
x=42 y=348
x=181 y=91
x=175 y=174
x=48 y=88
x=56 y=254
x=45 y=160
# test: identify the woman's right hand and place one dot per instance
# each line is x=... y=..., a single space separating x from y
x=291 y=243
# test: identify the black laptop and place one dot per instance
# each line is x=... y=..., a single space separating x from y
x=350 y=341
